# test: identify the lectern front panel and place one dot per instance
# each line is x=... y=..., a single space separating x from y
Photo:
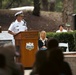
x=29 y=48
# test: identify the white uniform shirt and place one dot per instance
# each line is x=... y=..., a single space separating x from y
x=61 y=31
x=17 y=27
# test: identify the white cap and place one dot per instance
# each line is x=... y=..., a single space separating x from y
x=18 y=13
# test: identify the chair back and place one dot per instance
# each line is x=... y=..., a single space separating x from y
x=64 y=45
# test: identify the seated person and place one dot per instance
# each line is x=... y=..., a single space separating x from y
x=42 y=41
x=12 y=67
x=55 y=65
x=61 y=28
x=68 y=27
x=40 y=59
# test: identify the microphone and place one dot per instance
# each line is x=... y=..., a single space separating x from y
x=25 y=23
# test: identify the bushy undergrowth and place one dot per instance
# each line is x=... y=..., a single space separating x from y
x=68 y=37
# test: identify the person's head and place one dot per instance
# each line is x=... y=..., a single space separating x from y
x=52 y=43
x=43 y=34
x=69 y=29
x=8 y=51
x=61 y=27
x=2 y=61
x=19 y=15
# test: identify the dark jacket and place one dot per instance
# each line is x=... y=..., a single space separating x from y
x=40 y=43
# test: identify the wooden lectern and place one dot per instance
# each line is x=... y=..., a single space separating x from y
x=28 y=43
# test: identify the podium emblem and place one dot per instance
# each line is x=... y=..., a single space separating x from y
x=29 y=46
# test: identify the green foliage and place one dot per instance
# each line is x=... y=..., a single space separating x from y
x=58 y=6
x=16 y=3
x=74 y=35
x=27 y=2
x=4 y=2
x=69 y=37
x=74 y=6
x=50 y=34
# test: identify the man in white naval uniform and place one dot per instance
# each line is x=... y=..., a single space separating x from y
x=17 y=26
x=61 y=29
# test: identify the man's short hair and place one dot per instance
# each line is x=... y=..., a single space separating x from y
x=61 y=25
x=52 y=43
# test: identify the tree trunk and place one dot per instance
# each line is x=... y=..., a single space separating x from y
x=36 y=10
x=52 y=5
x=68 y=9
x=45 y=5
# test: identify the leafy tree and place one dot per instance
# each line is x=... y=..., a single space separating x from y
x=5 y=4
x=59 y=5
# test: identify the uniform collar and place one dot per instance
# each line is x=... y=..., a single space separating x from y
x=44 y=39
x=17 y=21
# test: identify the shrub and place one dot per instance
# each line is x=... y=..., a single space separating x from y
x=69 y=37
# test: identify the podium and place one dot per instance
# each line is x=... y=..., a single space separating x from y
x=28 y=45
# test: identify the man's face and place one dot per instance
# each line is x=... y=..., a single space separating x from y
x=19 y=17
x=61 y=28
